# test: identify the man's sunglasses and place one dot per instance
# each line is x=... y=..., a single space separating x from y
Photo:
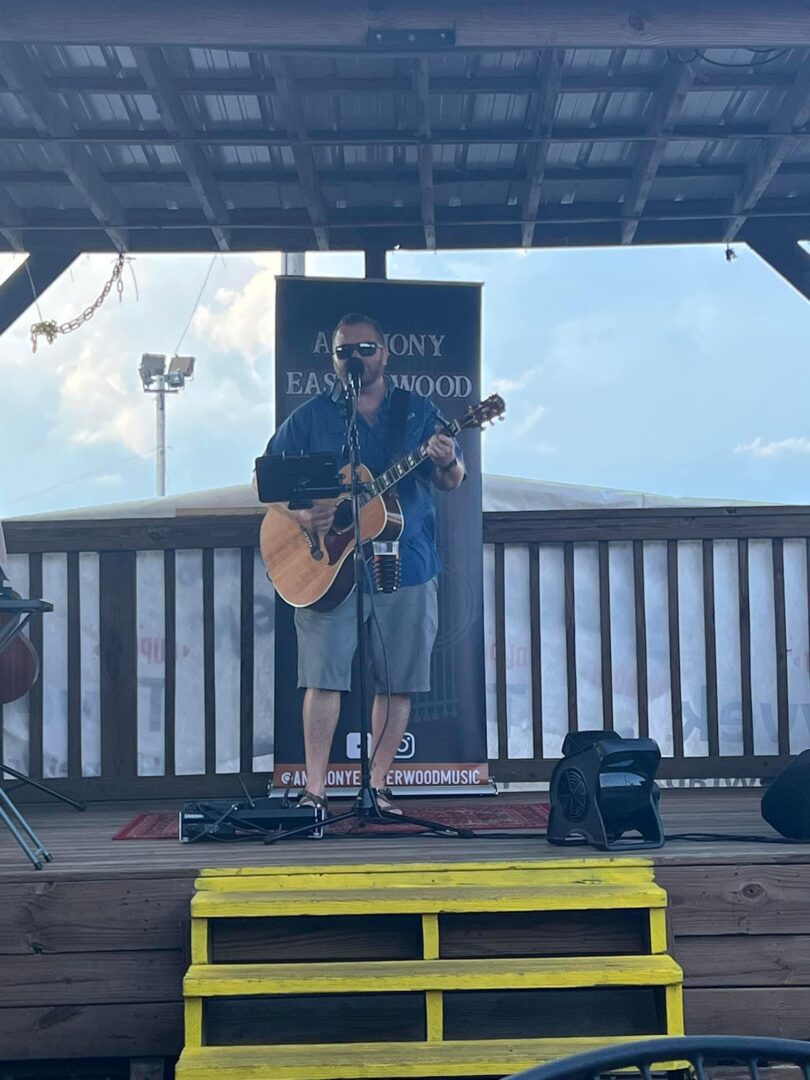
x=364 y=349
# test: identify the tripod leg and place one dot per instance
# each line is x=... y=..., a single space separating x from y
x=23 y=833
x=23 y=779
x=432 y=826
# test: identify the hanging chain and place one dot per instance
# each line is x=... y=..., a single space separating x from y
x=49 y=328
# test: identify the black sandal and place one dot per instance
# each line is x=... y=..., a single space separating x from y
x=384 y=800
x=317 y=802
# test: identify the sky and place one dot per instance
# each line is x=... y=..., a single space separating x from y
x=665 y=370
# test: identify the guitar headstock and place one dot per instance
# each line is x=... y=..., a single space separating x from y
x=487 y=411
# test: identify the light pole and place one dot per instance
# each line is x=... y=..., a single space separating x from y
x=157 y=380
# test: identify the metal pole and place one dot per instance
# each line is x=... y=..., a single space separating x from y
x=160 y=458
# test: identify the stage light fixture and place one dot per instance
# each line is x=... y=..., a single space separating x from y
x=603 y=788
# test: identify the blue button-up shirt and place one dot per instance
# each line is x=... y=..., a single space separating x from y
x=319 y=426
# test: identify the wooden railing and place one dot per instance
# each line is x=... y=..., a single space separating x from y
x=690 y=625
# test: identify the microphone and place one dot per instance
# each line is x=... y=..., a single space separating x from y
x=354 y=372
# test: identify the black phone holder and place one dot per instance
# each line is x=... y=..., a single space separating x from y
x=299 y=479
x=603 y=787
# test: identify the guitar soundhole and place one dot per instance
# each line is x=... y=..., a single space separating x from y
x=343 y=516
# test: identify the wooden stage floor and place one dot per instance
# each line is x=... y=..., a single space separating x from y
x=93 y=948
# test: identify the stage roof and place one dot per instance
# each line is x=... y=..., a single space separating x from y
x=194 y=126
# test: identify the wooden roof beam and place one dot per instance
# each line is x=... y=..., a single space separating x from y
x=793 y=112
x=549 y=75
x=598 y=82
x=666 y=106
x=782 y=252
x=314 y=25
x=563 y=133
x=51 y=120
x=12 y=220
x=421 y=90
x=152 y=65
x=289 y=107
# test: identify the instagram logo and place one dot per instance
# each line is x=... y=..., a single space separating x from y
x=407 y=748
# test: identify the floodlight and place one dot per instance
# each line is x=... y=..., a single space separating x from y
x=153 y=365
x=182 y=365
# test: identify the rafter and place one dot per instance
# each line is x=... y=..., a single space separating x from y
x=793 y=112
x=481 y=82
x=421 y=90
x=667 y=104
x=12 y=220
x=51 y=120
x=562 y=133
x=290 y=110
x=156 y=74
x=782 y=252
x=320 y=25
x=549 y=74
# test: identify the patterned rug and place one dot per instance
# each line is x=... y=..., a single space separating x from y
x=481 y=817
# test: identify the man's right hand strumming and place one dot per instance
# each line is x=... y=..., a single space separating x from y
x=318 y=518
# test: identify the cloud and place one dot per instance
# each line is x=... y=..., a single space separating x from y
x=529 y=422
x=244 y=320
x=505 y=386
x=776 y=448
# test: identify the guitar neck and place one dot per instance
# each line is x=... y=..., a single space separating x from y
x=405 y=465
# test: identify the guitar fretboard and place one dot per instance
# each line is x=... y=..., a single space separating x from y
x=401 y=468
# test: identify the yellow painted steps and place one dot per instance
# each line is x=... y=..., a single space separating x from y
x=574 y=896
x=364 y=1061
x=571 y=972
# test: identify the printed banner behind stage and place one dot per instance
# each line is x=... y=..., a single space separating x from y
x=433 y=337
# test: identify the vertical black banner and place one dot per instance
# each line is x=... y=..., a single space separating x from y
x=433 y=333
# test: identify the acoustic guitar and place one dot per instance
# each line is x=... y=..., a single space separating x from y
x=315 y=569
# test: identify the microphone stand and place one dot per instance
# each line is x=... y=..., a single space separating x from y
x=366 y=807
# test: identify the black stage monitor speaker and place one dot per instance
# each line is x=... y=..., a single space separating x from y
x=786 y=802
x=604 y=787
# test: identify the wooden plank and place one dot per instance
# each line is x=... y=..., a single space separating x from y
x=35 y=695
x=325 y=938
x=135 y=534
x=345 y=24
x=641 y=639
x=536 y=647
x=570 y=635
x=542 y=933
x=777 y=1011
x=43 y=1031
x=326 y=1019
x=658 y=523
x=170 y=660
x=745 y=960
x=780 y=629
x=736 y=899
x=501 y=700
x=246 y=904
x=674 y=648
x=604 y=635
x=74 y=667
x=209 y=667
x=246 y=659
x=62 y=916
x=572 y=972
x=745 y=643
x=710 y=649
x=118 y=659
x=241 y=529
x=89 y=978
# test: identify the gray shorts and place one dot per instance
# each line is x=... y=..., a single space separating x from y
x=408 y=620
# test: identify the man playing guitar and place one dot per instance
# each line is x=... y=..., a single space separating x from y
x=407 y=617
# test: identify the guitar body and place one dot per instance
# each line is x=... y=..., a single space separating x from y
x=19 y=665
x=316 y=570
